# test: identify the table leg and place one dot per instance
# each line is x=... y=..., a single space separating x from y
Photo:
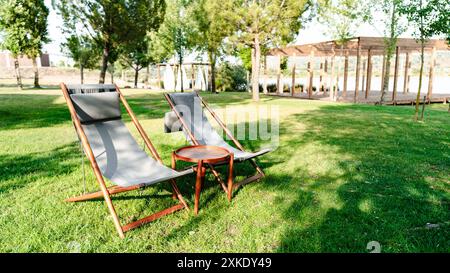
x=198 y=185
x=174 y=165
x=230 y=177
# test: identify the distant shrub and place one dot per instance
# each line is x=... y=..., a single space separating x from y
x=231 y=77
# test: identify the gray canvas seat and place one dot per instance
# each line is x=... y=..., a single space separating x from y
x=117 y=153
x=191 y=110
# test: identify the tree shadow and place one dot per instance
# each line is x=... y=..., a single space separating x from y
x=33 y=166
x=390 y=179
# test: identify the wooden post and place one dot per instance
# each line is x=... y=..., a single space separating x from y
x=358 y=71
x=293 y=81
x=321 y=76
x=311 y=74
x=369 y=72
x=383 y=70
x=332 y=74
x=431 y=74
x=397 y=57
x=279 y=84
x=325 y=75
x=344 y=91
x=405 y=80
x=363 y=84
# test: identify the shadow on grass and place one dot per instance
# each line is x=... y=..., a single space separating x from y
x=391 y=181
x=33 y=166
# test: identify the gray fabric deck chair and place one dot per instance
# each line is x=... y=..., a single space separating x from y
x=112 y=150
x=188 y=115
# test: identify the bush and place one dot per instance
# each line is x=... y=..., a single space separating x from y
x=231 y=77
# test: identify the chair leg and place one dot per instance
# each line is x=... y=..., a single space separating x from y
x=99 y=194
x=113 y=212
x=178 y=195
x=230 y=177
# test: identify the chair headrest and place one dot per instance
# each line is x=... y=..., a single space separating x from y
x=93 y=107
x=90 y=88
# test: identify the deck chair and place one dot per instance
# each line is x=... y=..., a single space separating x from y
x=199 y=131
x=112 y=150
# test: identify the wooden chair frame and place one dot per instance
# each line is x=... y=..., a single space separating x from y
x=228 y=190
x=106 y=192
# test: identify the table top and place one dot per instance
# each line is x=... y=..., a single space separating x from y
x=202 y=152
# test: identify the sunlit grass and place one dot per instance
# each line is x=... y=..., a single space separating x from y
x=342 y=176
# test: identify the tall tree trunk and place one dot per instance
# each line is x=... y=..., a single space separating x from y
x=387 y=74
x=136 y=77
x=147 y=75
x=105 y=59
x=422 y=52
x=392 y=42
x=256 y=56
x=36 y=73
x=180 y=60
x=212 y=61
x=81 y=74
x=111 y=73
x=17 y=70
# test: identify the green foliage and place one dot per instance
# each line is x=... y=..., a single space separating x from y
x=272 y=22
x=427 y=17
x=231 y=77
x=83 y=50
x=343 y=17
x=177 y=33
x=24 y=23
x=112 y=23
x=245 y=54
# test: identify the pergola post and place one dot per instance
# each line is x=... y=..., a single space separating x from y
x=325 y=75
x=279 y=85
x=363 y=84
x=320 y=76
x=383 y=70
x=333 y=54
x=358 y=70
x=431 y=74
x=397 y=57
x=405 y=80
x=293 y=81
x=344 y=91
x=311 y=74
x=369 y=72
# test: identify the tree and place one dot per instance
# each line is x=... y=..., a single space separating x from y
x=264 y=23
x=112 y=23
x=25 y=25
x=428 y=18
x=177 y=33
x=84 y=51
x=393 y=28
x=136 y=56
x=213 y=21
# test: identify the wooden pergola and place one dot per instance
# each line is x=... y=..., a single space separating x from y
x=358 y=47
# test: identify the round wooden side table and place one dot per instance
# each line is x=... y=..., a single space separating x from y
x=203 y=155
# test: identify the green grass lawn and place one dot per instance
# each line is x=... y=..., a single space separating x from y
x=342 y=176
